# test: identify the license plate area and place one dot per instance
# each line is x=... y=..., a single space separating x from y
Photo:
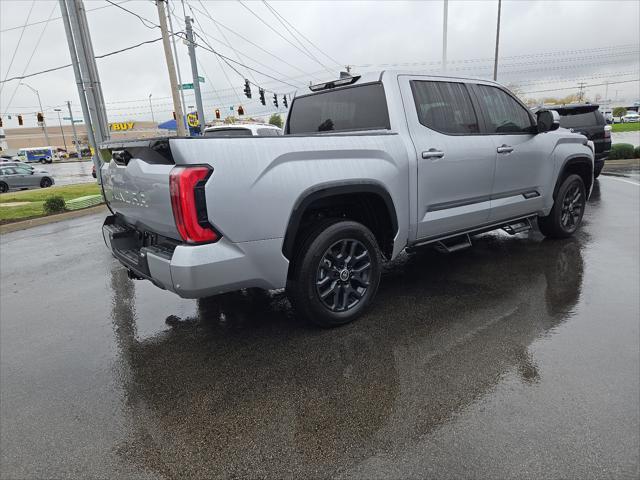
x=128 y=244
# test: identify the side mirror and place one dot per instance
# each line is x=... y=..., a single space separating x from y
x=548 y=120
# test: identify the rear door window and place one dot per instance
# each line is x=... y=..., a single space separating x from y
x=362 y=107
x=504 y=114
x=445 y=107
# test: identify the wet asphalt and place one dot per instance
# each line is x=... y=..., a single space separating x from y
x=517 y=358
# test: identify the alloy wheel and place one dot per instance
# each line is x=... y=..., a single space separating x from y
x=342 y=279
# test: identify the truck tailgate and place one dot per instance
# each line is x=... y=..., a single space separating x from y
x=138 y=190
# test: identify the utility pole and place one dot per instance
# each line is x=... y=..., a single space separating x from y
x=44 y=120
x=81 y=93
x=75 y=134
x=64 y=140
x=581 y=86
x=175 y=55
x=162 y=16
x=495 y=62
x=194 y=71
x=444 y=35
x=86 y=73
x=151 y=107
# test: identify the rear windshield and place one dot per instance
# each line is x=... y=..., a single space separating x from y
x=568 y=119
x=362 y=107
x=269 y=132
x=228 y=132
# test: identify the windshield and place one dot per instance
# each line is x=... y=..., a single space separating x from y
x=362 y=107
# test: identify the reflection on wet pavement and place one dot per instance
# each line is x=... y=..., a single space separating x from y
x=515 y=358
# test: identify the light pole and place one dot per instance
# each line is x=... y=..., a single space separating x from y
x=151 y=107
x=64 y=140
x=44 y=122
x=495 y=62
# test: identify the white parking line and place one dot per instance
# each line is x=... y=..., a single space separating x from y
x=620 y=180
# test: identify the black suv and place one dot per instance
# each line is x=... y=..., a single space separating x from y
x=586 y=118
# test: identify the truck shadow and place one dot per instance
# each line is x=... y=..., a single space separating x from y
x=243 y=389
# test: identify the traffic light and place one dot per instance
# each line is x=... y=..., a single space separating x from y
x=262 y=100
x=284 y=101
x=240 y=110
x=174 y=116
x=40 y=117
x=20 y=120
x=217 y=113
x=0 y=122
x=247 y=88
x=275 y=100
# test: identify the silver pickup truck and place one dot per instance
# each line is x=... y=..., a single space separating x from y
x=368 y=166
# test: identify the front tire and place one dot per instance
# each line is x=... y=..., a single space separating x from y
x=336 y=273
x=568 y=208
x=46 y=182
x=4 y=187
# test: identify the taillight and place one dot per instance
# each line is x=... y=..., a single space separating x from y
x=607 y=131
x=186 y=185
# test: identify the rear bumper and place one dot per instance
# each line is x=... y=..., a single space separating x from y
x=194 y=271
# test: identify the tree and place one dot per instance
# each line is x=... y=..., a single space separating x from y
x=619 y=112
x=276 y=120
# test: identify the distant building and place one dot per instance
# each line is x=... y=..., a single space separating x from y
x=23 y=137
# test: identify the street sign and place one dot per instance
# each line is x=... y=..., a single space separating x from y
x=186 y=86
x=200 y=79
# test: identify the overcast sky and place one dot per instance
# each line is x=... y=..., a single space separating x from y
x=544 y=45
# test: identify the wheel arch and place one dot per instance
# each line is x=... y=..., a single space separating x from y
x=339 y=191
x=578 y=164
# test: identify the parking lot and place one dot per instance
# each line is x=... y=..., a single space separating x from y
x=517 y=358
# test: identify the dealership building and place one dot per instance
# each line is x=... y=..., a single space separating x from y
x=59 y=136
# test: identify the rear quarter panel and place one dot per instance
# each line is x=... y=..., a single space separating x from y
x=257 y=181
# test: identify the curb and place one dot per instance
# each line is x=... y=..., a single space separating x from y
x=36 y=222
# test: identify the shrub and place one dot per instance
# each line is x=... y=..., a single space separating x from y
x=636 y=152
x=54 y=205
x=621 y=151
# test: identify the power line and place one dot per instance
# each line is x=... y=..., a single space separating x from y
x=56 y=18
x=13 y=57
x=282 y=36
x=53 y=69
x=295 y=38
x=143 y=20
x=24 y=70
x=584 y=86
x=301 y=34
x=216 y=22
x=224 y=37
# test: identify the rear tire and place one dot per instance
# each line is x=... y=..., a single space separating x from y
x=568 y=208
x=43 y=161
x=4 y=187
x=46 y=182
x=335 y=273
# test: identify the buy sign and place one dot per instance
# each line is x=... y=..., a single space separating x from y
x=117 y=127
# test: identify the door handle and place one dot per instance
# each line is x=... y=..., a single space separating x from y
x=433 y=153
x=505 y=149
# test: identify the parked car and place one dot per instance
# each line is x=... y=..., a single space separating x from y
x=19 y=177
x=586 y=119
x=243 y=130
x=368 y=166
x=23 y=165
x=630 y=117
x=9 y=158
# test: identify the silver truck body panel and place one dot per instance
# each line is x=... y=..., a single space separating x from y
x=258 y=181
